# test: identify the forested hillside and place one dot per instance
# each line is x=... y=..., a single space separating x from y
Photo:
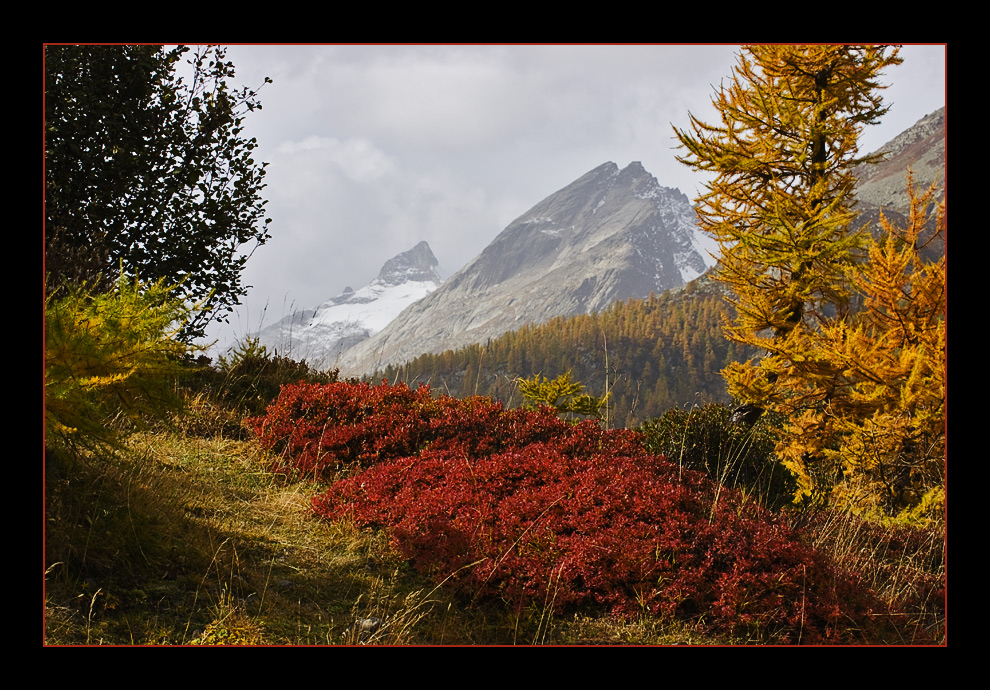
x=652 y=354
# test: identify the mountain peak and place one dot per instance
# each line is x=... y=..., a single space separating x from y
x=320 y=335
x=609 y=235
x=417 y=264
x=606 y=168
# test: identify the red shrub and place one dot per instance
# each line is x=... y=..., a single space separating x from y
x=318 y=427
x=523 y=506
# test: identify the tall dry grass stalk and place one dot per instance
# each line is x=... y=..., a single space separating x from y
x=904 y=563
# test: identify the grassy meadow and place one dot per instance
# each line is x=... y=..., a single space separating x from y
x=184 y=535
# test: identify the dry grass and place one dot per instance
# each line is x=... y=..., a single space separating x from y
x=187 y=539
x=904 y=564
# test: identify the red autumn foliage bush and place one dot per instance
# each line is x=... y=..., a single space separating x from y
x=318 y=428
x=523 y=506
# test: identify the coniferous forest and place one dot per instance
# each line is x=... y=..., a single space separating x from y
x=650 y=355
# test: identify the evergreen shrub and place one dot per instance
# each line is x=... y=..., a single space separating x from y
x=732 y=454
x=251 y=377
x=110 y=357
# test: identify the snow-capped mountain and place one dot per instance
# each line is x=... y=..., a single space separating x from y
x=610 y=235
x=320 y=335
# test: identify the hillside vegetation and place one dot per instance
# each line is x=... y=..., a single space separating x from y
x=650 y=355
x=362 y=526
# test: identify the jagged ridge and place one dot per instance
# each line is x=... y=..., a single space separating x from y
x=320 y=335
x=610 y=235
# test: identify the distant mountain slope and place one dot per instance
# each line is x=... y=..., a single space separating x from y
x=920 y=147
x=661 y=352
x=610 y=235
x=320 y=335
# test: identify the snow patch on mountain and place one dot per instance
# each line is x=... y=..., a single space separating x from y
x=320 y=335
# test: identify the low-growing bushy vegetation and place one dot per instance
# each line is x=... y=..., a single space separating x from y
x=343 y=512
x=734 y=454
x=523 y=507
x=250 y=376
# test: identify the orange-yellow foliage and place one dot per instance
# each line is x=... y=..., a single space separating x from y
x=110 y=355
x=852 y=327
x=887 y=369
x=780 y=204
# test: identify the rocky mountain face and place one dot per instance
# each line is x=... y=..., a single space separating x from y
x=320 y=335
x=921 y=148
x=883 y=186
x=610 y=235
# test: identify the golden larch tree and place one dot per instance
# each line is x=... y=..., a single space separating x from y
x=885 y=369
x=781 y=207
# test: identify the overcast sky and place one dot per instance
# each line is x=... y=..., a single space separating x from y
x=375 y=148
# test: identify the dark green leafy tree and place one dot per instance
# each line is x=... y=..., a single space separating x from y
x=150 y=174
